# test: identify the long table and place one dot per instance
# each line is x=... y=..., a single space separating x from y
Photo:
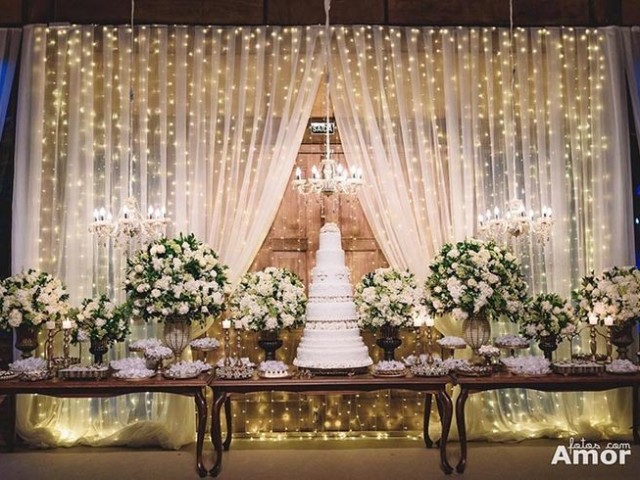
x=113 y=387
x=223 y=389
x=547 y=383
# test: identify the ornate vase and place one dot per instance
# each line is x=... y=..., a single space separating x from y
x=26 y=340
x=98 y=348
x=548 y=345
x=177 y=334
x=269 y=342
x=389 y=341
x=476 y=332
x=622 y=338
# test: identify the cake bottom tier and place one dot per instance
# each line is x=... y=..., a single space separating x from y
x=331 y=349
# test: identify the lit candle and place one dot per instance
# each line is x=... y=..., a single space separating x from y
x=608 y=321
x=103 y=214
x=298 y=173
x=66 y=324
x=496 y=212
x=429 y=321
x=150 y=212
x=417 y=322
x=226 y=324
x=480 y=219
x=593 y=320
x=50 y=325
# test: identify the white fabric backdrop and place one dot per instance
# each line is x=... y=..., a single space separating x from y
x=9 y=48
x=631 y=44
x=218 y=118
x=430 y=116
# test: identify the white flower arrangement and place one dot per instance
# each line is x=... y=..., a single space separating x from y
x=387 y=297
x=489 y=351
x=475 y=278
x=616 y=292
x=269 y=300
x=176 y=278
x=100 y=319
x=32 y=298
x=510 y=340
x=548 y=314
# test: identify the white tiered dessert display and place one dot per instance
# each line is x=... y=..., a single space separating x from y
x=331 y=341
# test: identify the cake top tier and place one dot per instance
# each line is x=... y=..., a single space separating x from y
x=330 y=238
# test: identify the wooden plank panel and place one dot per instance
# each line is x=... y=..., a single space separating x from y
x=630 y=12
x=216 y=12
x=311 y=12
x=451 y=12
x=488 y=12
x=551 y=12
x=11 y=12
x=606 y=12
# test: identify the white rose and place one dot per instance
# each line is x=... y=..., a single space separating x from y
x=138 y=269
x=15 y=318
x=100 y=322
x=183 y=309
x=155 y=293
x=160 y=249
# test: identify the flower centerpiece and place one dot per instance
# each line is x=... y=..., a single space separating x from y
x=100 y=322
x=177 y=281
x=475 y=281
x=267 y=302
x=29 y=300
x=548 y=317
x=616 y=294
x=387 y=299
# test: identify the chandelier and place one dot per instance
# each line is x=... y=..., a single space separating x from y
x=130 y=226
x=516 y=223
x=331 y=177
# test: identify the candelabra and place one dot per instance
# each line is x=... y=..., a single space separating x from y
x=609 y=346
x=429 y=344
x=593 y=347
x=227 y=343
x=516 y=223
x=51 y=333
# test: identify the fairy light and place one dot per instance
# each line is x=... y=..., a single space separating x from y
x=572 y=123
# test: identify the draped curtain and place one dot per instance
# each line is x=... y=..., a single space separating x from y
x=447 y=123
x=218 y=115
x=631 y=45
x=9 y=48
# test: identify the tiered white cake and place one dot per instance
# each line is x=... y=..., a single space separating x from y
x=331 y=337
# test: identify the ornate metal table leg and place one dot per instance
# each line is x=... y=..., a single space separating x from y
x=201 y=406
x=462 y=432
x=227 y=416
x=445 y=407
x=428 y=399
x=636 y=414
x=216 y=430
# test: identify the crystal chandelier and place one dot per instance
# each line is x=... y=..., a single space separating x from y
x=516 y=223
x=331 y=177
x=130 y=226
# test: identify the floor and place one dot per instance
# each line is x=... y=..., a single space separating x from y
x=391 y=459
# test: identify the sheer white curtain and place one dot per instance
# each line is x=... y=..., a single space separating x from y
x=631 y=45
x=447 y=123
x=9 y=48
x=218 y=117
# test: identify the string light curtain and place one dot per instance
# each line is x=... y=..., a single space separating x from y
x=218 y=118
x=450 y=122
x=9 y=48
x=631 y=44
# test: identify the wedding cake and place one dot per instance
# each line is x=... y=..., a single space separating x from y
x=331 y=339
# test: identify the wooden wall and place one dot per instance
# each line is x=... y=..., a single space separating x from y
x=292 y=241
x=310 y=12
